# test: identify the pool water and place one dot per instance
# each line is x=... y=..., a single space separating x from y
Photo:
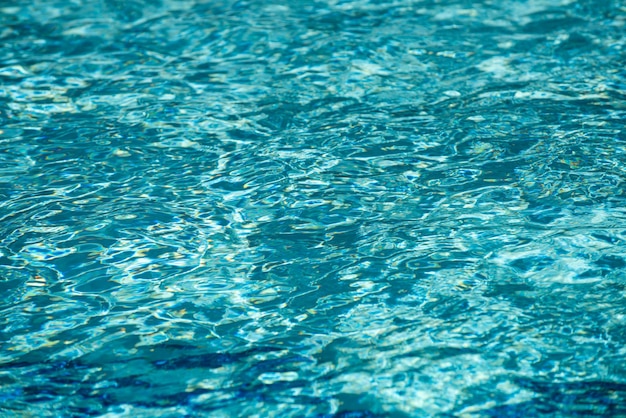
x=330 y=208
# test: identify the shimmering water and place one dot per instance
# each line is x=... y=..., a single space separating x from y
x=312 y=208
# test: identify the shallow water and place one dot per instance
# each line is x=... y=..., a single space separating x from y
x=312 y=208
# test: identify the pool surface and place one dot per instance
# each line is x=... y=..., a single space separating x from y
x=321 y=208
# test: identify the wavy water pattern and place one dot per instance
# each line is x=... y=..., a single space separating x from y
x=337 y=208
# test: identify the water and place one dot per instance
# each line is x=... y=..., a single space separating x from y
x=313 y=208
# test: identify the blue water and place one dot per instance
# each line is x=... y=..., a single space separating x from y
x=332 y=208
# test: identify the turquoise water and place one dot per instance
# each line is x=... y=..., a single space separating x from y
x=312 y=208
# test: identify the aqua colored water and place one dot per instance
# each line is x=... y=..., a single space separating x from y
x=331 y=208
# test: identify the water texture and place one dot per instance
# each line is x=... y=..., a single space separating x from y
x=312 y=208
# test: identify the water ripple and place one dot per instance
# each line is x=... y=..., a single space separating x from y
x=347 y=208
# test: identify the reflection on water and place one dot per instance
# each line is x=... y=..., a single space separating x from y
x=330 y=208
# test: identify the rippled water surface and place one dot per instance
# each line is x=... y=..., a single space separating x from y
x=326 y=208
